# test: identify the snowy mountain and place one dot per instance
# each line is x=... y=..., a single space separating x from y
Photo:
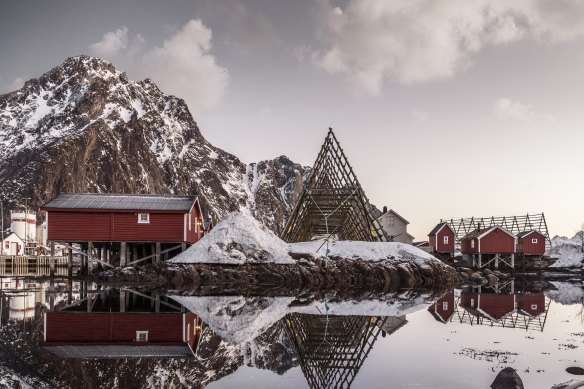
x=84 y=127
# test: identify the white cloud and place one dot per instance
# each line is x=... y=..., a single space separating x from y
x=183 y=66
x=506 y=108
x=423 y=40
x=111 y=43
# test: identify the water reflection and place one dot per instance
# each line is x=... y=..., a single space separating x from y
x=505 y=308
x=121 y=324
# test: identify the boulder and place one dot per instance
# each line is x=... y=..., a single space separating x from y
x=477 y=278
x=486 y=272
x=465 y=270
x=572 y=384
x=507 y=379
x=575 y=370
x=493 y=279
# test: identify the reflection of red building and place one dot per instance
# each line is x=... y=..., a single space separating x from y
x=492 y=306
x=443 y=308
x=531 y=304
x=121 y=334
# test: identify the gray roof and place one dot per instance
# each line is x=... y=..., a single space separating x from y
x=119 y=351
x=437 y=228
x=524 y=233
x=121 y=202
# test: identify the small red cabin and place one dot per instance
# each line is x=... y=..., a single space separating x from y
x=493 y=240
x=121 y=334
x=442 y=238
x=531 y=242
x=443 y=308
x=97 y=217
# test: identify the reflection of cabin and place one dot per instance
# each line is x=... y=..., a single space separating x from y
x=121 y=324
x=121 y=334
x=391 y=324
x=13 y=245
x=442 y=238
x=332 y=349
x=491 y=306
x=531 y=304
x=443 y=308
x=531 y=243
x=395 y=226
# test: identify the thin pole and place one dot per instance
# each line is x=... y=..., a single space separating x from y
x=2 y=230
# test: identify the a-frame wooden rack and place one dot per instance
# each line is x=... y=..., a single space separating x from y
x=332 y=202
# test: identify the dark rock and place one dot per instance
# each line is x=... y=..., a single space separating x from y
x=507 y=379
x=465 y=270
x=575 y=370
x=486 y=272
x=572 y=384
x=492 y=279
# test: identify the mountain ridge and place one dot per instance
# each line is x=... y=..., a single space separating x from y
x=84 y=127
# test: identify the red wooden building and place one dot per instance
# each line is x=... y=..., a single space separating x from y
x=443 y=308
x=124 y=228
x=531 y=304
x=493 y=240
x=121 y=334
x=97 y=217
x=442 y=238
x=531 y=243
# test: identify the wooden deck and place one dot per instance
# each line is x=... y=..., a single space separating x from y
x=26 y=265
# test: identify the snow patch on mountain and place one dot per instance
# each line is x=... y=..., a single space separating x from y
x=567 y=293
x=568 y=252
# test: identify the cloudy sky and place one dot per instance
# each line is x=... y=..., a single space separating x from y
x=445 y=108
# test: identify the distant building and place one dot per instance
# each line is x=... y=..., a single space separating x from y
x=493 y=240
x=12 y=244
x=395 y=226
x=442 y=238
x=531 y=243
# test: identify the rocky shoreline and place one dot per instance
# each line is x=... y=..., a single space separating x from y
x=309 y=275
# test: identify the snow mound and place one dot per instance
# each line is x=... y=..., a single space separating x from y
x=568 y=252
x=566 y=293
x=237 y=239
x=368 y=251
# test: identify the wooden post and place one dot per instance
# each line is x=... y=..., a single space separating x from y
x=480 y=261
x=134 y=252
x=70 y=260
x=52 y=260
x=496 y=261
x=89 y=257
x=183 y=246
x=513 y=261
x=122 y=300
x=157 y=253
x=156 y=303
x=123 y=253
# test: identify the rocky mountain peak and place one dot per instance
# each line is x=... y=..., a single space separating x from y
x=84 y=127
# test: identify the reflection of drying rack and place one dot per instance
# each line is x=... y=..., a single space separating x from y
x=515 y=319
x=332 y=349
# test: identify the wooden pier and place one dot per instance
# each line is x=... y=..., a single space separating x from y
x=37 y=265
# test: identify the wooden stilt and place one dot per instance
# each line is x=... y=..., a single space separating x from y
x=122 y=301
x=183 y=246
x=157 y=303
x=123 y=253
x=157 y=252
x=89 y=257
x=480 y=261
x=52 y=260
x=70 y=261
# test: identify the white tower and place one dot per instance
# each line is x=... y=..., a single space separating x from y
x=24 y=225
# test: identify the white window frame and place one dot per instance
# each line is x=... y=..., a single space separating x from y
x=445 y=240
x=534 y=306
x=190 y=222
x=472 y=244
x=141 y=336
x=444 y=305
x=140 y=221
x=533 y=240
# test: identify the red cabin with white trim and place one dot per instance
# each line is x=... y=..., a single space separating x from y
x=443 y=308
x=493 y=240
x=442 y=238
x=531 y=304
x=96 y=217
x=531 y=243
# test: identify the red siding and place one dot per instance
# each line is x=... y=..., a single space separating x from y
x=445 y=247
x=195 y=229
x=83 y=226
x=432 y=241
x=525 y=246
x=444 y=306
x=106 y=327
x=466 y=246
x=531 y=303
x=496 y=305
x=497 y=241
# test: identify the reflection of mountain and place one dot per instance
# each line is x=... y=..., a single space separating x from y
x=332 y=349
x=509 y=310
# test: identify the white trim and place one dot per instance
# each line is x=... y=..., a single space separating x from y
x=47 y=221
x=45 y=326
x=491 y=229
x=533 y=240
x=444 y=225
x=185 y=228
x=184 y=321
x=531 y=232
x=140 y=221
x=138 y=333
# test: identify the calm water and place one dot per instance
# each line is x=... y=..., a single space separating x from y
x=75 y=334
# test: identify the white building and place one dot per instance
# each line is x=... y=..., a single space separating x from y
x=395 y=226
x=12 y=244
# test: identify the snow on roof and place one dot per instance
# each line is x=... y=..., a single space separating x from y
x=238 y=238
x=121 y=202
x=238 y=319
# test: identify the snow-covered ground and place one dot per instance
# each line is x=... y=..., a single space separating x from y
x=239 y=238
x=567 y=251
